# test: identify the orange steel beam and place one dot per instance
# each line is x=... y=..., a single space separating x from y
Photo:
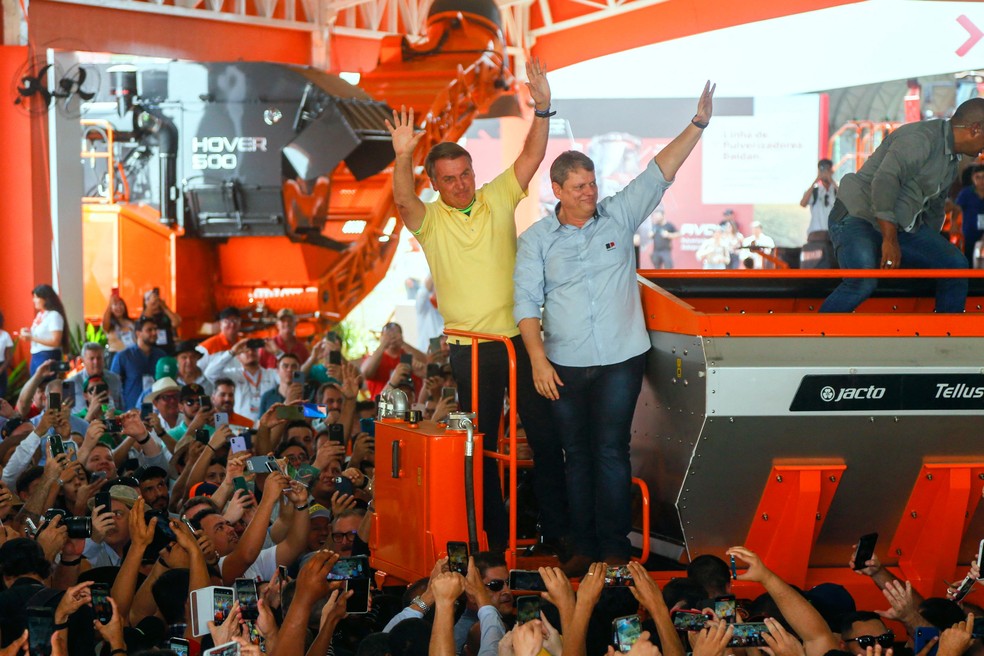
x=758 y=317
x=790 y=514
x=927 y=539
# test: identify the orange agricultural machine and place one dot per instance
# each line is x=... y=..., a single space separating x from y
x=243 y=183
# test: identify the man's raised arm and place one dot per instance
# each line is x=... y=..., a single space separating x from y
x=410 y=207
x=671 y=158
x=535 y=146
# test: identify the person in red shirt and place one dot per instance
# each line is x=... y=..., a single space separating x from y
x=284 y=342
x=229 y=321
x=379 y=366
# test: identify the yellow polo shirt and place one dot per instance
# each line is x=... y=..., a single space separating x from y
x=472 y=258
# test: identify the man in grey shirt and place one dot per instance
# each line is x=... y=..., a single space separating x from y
x=891 y=211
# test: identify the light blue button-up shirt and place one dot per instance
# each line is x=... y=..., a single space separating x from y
x=585 y=278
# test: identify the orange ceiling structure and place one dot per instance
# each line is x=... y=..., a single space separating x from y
x=345 y=34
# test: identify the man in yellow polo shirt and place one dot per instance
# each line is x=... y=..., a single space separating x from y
x=469 y=238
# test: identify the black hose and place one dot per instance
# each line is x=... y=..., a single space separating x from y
x=470 y=493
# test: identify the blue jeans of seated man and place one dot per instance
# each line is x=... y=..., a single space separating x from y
x=858 y=246
x=594 y=417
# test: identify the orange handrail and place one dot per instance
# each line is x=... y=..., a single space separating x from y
x=644 y=490
x=511 y=353
x=511 y=457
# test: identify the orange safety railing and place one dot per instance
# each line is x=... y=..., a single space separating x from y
x=510 y=460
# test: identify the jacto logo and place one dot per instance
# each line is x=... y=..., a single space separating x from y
x=828 y=393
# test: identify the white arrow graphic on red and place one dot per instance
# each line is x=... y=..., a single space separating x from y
x=975 y=35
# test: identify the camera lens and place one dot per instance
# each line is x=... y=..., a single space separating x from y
x=79 y=528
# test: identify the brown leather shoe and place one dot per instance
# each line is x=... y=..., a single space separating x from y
x=576 y=566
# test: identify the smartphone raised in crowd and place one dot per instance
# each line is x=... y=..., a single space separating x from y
x=526 y=580
x=334 y=357
x=354 y=567
x=105 y=499
x=626 y=631
x=368 y=426
x=179 y=646
x=865 y=550
x=54 y=401
x=56 y=445
x=527 y=609
x=40 y=627
x=101 y=607
x=689 y=620
x=458 y=557
x=748 y=635
x=247 y=598
x=358 y=603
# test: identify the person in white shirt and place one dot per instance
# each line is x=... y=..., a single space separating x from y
x=754 y=245
x=241 y=364
x=6 y=352
x=48 y=334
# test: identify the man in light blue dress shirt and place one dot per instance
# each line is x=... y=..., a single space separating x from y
x=579 y=267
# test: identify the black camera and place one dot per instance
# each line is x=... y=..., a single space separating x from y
x=79 y=528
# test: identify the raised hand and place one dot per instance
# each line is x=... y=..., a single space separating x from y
x=559 y=592
x=705 y=105
x=757 y=571
x=401 y=131
x=780 y=641
x=539 y=88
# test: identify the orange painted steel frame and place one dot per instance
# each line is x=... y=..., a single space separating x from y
x=783 y=317
x=510 y=459
x=797 y=495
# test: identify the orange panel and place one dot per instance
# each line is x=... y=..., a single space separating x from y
x=100 y=262
x=420 y=507
x=26 y=233
x=145 y=256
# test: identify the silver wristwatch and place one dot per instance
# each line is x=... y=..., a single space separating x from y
x=419 y=603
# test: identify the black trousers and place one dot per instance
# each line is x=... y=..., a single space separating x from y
x=541 y=433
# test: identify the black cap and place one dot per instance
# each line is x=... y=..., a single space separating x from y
x=191 y=390
x=145 y=474
x=187 y=346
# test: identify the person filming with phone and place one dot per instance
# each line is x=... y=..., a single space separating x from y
x=241 y=364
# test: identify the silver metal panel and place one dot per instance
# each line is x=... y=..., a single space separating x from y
x=706 y=436
x=668 y=419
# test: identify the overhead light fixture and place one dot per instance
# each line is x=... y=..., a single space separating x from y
x=353 y=227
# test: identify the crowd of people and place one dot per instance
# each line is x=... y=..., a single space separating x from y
x=179 y=495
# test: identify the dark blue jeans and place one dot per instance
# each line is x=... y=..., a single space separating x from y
x=542 y=435
x=858 y=246
x=39 y=358
x=594 y=417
